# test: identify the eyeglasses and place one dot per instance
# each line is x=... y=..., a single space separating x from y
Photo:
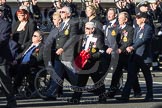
x=87 y=28
x=62 y=12
x=21 y=15
x=35 y=36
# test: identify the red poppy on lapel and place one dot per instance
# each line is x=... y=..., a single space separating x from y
x=36 y=50
x=115 y=25
x=125 y=33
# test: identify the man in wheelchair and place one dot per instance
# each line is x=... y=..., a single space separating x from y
x=27 y=61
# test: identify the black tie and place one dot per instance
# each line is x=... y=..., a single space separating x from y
x=120 y=29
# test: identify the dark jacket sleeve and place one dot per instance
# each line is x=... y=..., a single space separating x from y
x=5 y=34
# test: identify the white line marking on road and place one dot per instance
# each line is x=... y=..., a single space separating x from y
x=139 y=81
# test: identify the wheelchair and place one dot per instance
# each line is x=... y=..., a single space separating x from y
x=34 y=84
x=26 y=89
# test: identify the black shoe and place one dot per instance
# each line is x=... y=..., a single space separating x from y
x=73 y=101
x=10 y=107
x=111 y=92
x=137 y=95
x=50 y=98
x=11 y=104
x=148 y=99
x=59 y=94
x=102 y=100
x=122 y=99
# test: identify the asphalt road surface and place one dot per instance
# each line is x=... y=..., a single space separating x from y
x=89 y=100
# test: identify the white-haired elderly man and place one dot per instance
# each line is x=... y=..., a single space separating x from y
x=65 y=51
x=92 y=47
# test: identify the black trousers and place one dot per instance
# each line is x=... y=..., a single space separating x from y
x=6 y=83
x=82 y=81
x=136 y=62
x=122 y=64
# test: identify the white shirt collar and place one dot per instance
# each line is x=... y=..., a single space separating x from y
x=35 y=44
x=66 y=21
x=90 y=35
x=142 y=26
x=113 y=22
x=123 y=26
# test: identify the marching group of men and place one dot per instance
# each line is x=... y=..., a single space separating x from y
x=81 y=47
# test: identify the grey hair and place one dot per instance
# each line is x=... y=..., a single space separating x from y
x=125 y=14
x=112 y=9
x=68 y=9
x=41 y=33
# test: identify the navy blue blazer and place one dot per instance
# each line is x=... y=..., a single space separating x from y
x=5 y=30
x=142 y=42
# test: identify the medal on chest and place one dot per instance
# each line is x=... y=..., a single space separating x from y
x=125 y=34
x=125 y=39
x=93 y=45
x=93 y=50
x=140 y=35
x=66 y=32
x=113 y=33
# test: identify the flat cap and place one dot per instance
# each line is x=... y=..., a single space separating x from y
x=145 y=3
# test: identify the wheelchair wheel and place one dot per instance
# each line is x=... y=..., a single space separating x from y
x=42 y=82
